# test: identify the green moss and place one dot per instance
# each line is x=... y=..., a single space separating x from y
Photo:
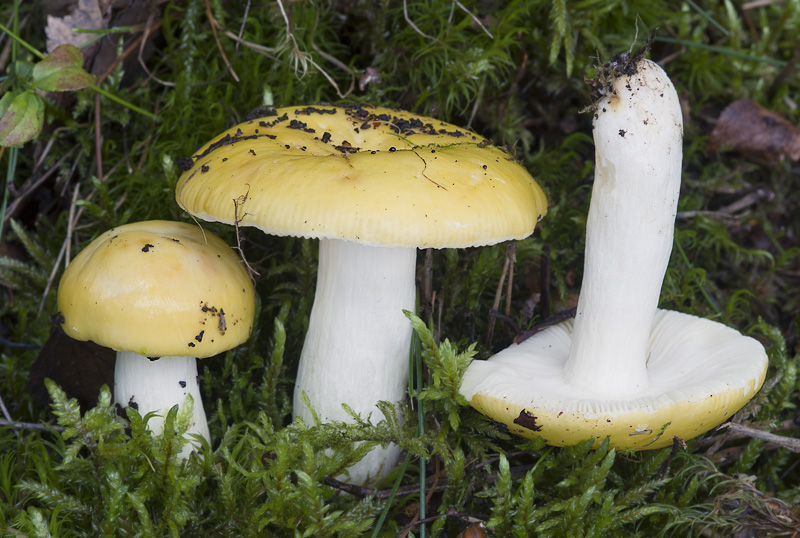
x=513 y=71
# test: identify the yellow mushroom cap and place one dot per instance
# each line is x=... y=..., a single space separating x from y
x=361 y=173
x=158 y=288
x=700 y=372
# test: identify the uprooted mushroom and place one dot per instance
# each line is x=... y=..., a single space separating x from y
x=623 y=368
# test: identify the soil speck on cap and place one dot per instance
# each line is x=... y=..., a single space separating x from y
x=261 y=112
x=222 y=325
x=527 y=420
x=147 y=247
x=182 y=384
x=184 y=163
x=300 y=126
x=314 y=110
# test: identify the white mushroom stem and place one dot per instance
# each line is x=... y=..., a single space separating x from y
x=357 y=345
x=157 y=386
x=638 y=132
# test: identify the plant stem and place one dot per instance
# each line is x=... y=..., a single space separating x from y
x=22 y=42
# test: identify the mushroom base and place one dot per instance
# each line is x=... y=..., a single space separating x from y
x=700 y=373
x=158 y=385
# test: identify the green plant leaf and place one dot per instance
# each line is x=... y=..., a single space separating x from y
x=62 y=70
x=22 y=118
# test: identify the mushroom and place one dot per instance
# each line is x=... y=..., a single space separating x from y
x=624 y=369
x=373 y=184
x=161 y=294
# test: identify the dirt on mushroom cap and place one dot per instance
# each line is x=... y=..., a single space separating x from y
x=362 y=173
x=158 y=288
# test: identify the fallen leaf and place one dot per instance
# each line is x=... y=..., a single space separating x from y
x=757 y=133
x=86 y=15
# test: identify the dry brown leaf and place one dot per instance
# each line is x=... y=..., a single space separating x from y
x=87 y=14
x=757 y=133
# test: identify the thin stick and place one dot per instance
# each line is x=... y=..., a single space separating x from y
x=496 y=304
x=98 y=140
x=411 y=23
x=555 y=319
x=511 y=255
x=216 y=39
x=474 y=18
x=5 y=410
x=71 y=223
x=30 y=426
x=544 y=283
x=12 y=209
x=237 y=202
x=789 y=443
x=147 y=31
x=51 y=277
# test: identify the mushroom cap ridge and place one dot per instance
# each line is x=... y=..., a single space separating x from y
x=373 y=175
x=158 y=288
x=701 y=372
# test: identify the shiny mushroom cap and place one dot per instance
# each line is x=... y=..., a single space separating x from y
x=367 y=174
x=158 y=288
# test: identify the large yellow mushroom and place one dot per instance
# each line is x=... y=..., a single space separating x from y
x=373 y=184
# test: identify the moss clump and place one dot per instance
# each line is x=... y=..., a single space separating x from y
x=513 y=72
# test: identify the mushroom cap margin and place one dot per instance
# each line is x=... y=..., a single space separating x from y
x=685 y=400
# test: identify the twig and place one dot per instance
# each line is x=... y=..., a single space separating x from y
x=728 y=211
x=555 y=319
x=261 y=49
x=511 y=255
x=474 y=18
x=216 y=39
x=544 y=282
x=498 y=295
x=71 y=223
x=98 y=140
x=237 y=202
x=4 y=409
x=338 y=63
x=508 y=319
x=133 y=46
x=411 y=23
x=789 y=443
x=17 y=345
x=451 y=512
x=416 y=520
x=147 y=31
x=51 y=277
x=30 y=426
x=677 y=443
x=12 y=209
